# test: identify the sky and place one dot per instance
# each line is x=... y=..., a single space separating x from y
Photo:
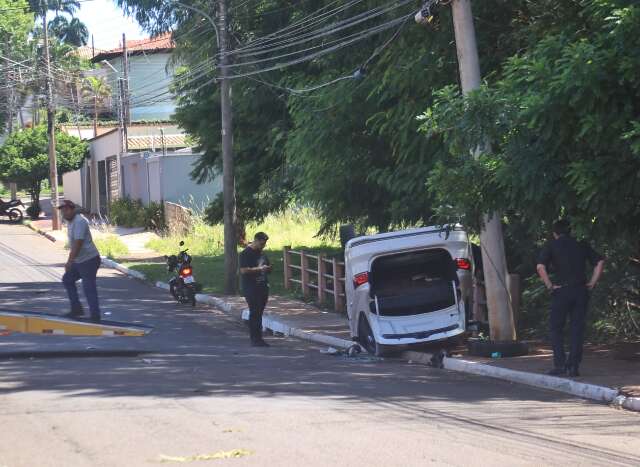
x=107 y=22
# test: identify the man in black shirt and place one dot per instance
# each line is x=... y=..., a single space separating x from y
x=569 y=293
x=254 y=267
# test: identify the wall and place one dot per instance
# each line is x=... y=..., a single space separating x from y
x=100 y=148
x=169 y=180
x=178 y=187
x=72 y=182
x=149 y=80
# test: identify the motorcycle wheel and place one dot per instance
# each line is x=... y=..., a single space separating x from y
x=192 y=296
x=172 y=291
x=15 y=215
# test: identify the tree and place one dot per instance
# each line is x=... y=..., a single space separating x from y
x=15 y=26
x=24 y=158
x=72 y=32
x=97 y=90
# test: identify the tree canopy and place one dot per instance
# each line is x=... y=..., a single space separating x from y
x=24 y=158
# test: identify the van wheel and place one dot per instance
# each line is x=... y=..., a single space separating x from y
x=368 y=340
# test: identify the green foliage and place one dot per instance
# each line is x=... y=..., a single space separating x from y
x=24 y=158
x=127 y=212
x=111 y=246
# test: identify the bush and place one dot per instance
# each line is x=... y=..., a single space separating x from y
x=111 y=246
x=132 y=213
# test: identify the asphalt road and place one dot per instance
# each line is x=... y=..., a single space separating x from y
x=205 y=391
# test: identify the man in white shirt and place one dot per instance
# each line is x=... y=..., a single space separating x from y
x=83 y=262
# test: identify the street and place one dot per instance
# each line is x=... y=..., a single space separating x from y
x=196 y=387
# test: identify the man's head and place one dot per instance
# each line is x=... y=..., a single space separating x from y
x=260 y=241
x=561 y=228
x=68 y=209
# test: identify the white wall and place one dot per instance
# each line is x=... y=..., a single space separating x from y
x=72 y=182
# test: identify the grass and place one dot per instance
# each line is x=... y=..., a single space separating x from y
x=111 y=246
x=295 y=228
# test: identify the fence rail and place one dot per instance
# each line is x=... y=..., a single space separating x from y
x=317 y=275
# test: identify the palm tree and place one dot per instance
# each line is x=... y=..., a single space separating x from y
x=72 y=32
x=40 y=7
x=98 y=90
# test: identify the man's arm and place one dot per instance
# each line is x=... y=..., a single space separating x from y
x=544 y=275
x=75 y=249
x=597 y=272
x=254 y=270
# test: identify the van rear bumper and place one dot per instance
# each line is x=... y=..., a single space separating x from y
x=422 y=335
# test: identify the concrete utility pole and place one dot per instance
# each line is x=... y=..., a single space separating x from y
x=51 y=128
x=228 y=178
x=494 y=261
x=126 y=112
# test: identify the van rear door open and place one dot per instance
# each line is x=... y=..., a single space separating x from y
x=413 y=282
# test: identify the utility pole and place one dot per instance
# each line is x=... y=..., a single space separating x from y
x=494 y=261
x=126 y=114
x=51 y=128
x=228 y=178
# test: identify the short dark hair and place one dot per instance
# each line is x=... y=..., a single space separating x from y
x=561 y=227
x=261 y=237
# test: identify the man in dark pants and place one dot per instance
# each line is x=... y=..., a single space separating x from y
x=83 y=262
x=254 y=267
x=569 y=293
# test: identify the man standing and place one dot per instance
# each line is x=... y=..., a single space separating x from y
x=254 y=267
x=569 y=293
x=83 y=262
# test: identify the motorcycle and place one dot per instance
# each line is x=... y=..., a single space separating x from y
x=11 y=210
x=183 y=286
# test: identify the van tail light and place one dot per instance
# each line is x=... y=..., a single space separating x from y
x=463 y=263
x=186 y=272
x=360 y=279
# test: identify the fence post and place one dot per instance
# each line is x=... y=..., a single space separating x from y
x=285 y=263
x=304 y=274
x=322 y=281
x=338 y=287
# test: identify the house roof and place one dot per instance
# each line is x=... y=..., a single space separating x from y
x=162 y=43
x=87 y=52
x=155 y=142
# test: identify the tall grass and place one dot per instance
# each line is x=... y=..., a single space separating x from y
x=295 y=228
x=111 y=246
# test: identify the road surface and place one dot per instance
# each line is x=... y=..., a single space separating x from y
x=204 y=391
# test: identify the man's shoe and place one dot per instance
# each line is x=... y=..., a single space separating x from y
x=573 y=371
x=557 y=372
x=259 y=343
x=74 y=315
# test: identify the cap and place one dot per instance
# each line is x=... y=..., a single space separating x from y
x=67 y=203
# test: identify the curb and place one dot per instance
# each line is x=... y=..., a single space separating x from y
x=41 y=232
x=567 y=386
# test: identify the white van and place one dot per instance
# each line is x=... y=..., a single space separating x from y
x=408 y=287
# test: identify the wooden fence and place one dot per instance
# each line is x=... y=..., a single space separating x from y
x=319 y=276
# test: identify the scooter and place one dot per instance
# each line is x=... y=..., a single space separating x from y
x=183 y=286
x=11 y=210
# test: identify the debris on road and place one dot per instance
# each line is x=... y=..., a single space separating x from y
x=233 y=454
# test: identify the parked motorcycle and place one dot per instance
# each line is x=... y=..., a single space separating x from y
x=183 y=286
x=11 y=210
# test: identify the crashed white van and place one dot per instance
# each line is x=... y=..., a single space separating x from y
x=407 y=287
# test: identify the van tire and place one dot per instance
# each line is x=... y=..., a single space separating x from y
x=368 y=341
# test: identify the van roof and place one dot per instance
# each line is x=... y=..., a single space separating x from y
x=357 y=241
